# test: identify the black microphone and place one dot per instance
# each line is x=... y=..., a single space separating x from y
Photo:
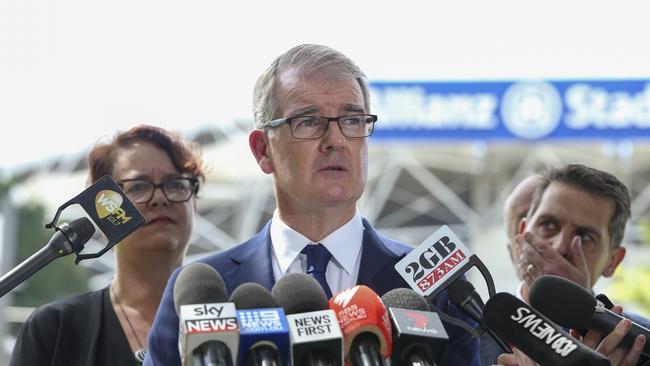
x=68 y=238
x=419 y=337
x=316 y=338
x=535 y=335
x=264 y=332
x=464 y=296
x=579 y=309
x=209 y=332
x=436 y=263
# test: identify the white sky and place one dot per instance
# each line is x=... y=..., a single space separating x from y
x=72 y=71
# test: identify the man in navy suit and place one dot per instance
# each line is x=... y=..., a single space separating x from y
x=312 y=122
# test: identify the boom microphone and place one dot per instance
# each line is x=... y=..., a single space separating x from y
x=314 y=332
x=209 y=333
x=579 y=310
x=419 y=337
x=69 y=238
x=365 y=325
x=263 y=333
x=535 y=335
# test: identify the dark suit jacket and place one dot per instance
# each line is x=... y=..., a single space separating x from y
x=251 y=262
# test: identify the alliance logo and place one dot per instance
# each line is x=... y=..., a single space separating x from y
x=531 y=109
x=108 y=205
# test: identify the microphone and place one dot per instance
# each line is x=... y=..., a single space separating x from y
x=464 y=296
x=365 y=325
x=263 y=328
x=314 y=332
x=68 y=238
x=106 y=205
x=209 y=333
x=535 y=335
x=579 y=309
x=419 y=337
x=436 y=263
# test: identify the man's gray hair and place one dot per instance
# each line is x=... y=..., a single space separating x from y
x=308 y=60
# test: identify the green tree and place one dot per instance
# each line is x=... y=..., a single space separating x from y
x=629 y=287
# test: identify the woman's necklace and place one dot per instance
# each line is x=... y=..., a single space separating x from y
x=141 y=352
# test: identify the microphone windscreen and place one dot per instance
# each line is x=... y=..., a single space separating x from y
x=577 y=307
x=199 y=283
x=251 y=295
x=405 y=298
x=84 y=230
x=299 y=293
x=361 y=313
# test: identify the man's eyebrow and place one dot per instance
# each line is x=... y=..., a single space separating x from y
x=354 y=108
x=312 y=109
x=545 y=216
x=302 y=111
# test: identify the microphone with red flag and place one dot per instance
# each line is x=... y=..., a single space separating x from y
x=365 y=325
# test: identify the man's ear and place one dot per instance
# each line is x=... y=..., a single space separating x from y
x=615 y=258
x=259 y=144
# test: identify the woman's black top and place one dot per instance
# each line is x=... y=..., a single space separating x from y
x=79 y=330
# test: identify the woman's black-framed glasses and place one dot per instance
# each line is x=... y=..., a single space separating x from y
x=314 y=127
x=179 y=189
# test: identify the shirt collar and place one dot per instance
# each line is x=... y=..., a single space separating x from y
x=344 y=243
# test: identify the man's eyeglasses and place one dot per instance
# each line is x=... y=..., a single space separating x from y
x=314 y=127
x=178 y=189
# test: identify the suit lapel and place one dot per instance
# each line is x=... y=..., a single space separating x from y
x=252 y=262
x=377 y=263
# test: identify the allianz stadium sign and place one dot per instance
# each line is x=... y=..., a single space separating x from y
x=526 y=110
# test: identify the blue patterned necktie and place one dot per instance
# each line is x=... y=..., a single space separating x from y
x=317 y=258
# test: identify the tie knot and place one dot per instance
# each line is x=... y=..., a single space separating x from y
x=317 y=257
